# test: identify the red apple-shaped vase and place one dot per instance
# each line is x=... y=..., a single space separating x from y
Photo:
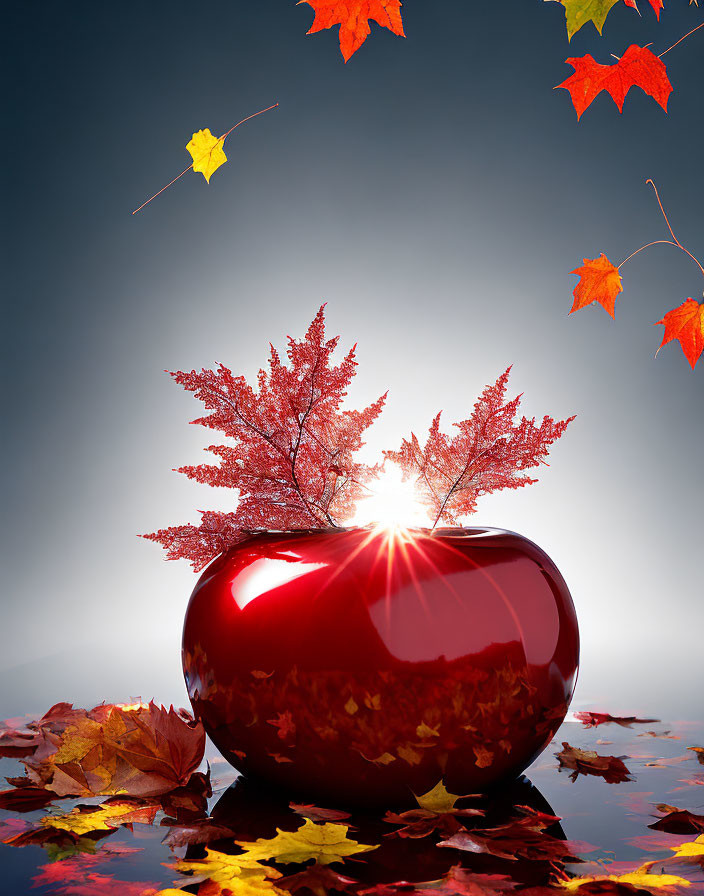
x=362 y=666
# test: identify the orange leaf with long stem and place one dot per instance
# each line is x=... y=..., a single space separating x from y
x=686 y=324
x=599 y=282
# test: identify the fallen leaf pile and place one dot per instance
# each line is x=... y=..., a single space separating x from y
x=253 y=843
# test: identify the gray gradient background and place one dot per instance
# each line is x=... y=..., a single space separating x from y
x=436 y=192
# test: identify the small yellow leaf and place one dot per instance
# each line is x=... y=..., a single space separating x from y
x=325 y=843
x=351 y=706
x=690 y=849
x=438 y=799
x=207 y=153
x=412 y=757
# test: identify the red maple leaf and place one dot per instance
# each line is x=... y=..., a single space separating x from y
x=353 y=17
x=589 y=762
x=686 y=323
x=656 y=4
x=292 y=456
x=638 y=67
x=486 y=455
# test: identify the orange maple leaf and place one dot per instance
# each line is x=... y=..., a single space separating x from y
x=353 y=17
x=599 y=282
x=686 y=323
x=638 y=67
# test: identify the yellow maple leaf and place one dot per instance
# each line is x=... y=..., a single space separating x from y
x=238 y=875
x=325 y=843
x=105 y=818
x=691 y=849
x=207 y=153
x=639 y=878
x=438 y=799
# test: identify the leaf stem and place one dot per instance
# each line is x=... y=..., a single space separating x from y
x=186 y=170
x=674 y=241
x=660 y=55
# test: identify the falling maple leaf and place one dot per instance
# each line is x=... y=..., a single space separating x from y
x=638 y=67
x=487 y=454
x=593 y=719
x=324 y=843
x=657 y=5
x=207 y=153
x=599 y=282
x=293 y=458
x=686 y=324
x=589 y=762
x=353 y=17
x=579 y=12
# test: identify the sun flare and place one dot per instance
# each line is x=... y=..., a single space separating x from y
x=391 y=503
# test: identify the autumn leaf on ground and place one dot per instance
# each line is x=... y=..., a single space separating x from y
x=238 y=874
x=25 y=799
x=105 y=817
x=640 y=878
x=515 y=843
x=589 y=762
x=293 y=457
x=319 y=880
x=678 y=821
x=198 y=831
x=135 y=750
x=699 y=754
x=693 y=850
x=459 y=881
x=592 y=719
x=353 y=17
x=638 y=67
x=599 y=282
x=686 y=324
x=436 y=812
x=324 y=843
x=489 y=453
x=315 y=813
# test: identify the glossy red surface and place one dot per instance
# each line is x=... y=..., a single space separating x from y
x=360 y=667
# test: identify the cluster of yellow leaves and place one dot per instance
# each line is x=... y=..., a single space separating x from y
x=244 y=875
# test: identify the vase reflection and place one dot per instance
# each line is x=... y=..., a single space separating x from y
x=252 y=810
